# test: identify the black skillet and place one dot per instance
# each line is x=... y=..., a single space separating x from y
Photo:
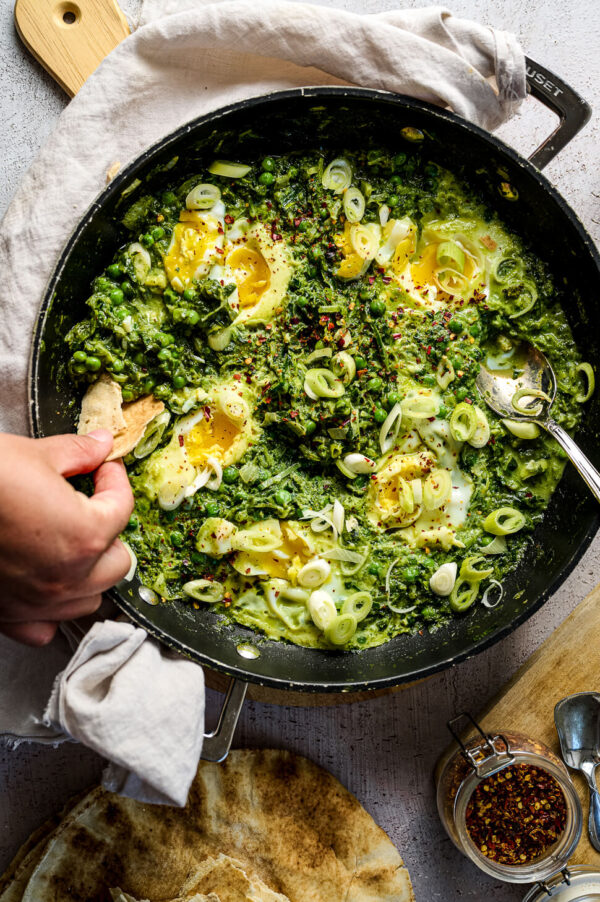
x=293 y=119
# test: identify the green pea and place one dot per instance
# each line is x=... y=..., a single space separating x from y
x=192 y=317
x=164 y=354
x=374 y=569
x=266 y=178
x=127 y=289
x=282 y=498
x=442 y=412
x=377 y=307
x=380 y=415
x=399 y=159
x=393 y=200
x=475 y=330
x=80 y=356
x=117 y=296
x=164 y=339
x=189 y=294
x=392 y=398
x=93 y=364
x=139 y=358
x=149 y=384
x=117 y=366
x=157 y=233
x=304 y=225
x=301 y=302
x=212 y=509
x=343 y=406
x=230 y=475
x=374 y=384
x=268 y=164
x=179 y=380
x=395 y=180
x=410 y=574
x=455 y=325
x=429 y=380
x=169 y=198
x=114 y=271
x=310 y=427
x=360 y=362
x=133 y=522
x=364 y=294
x=461 y=393
x=176 y=538
x=147 y=240
x=324 y=214
x=127 y=394
x=80 y=368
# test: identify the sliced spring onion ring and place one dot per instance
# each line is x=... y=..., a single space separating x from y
x=344 y=367
x=354 y=204
x=420 y=405
x=504 y=521
x=463 y=422
x=388 y=433
x=401 y=610
x=494 y=584
x=359 y=604
x=450 y=254
x=322 y=383
x=437 y=489
x=341 y=630
x=214 y=482
x=586 y=369
x=530 y=410
x=133 y=565
x=322 y=609
x=388 y=577
x=527 y=298
x=338 y=516
x=469 y=571
x=444 y=373
x=337 y=176
x=260 y=538
x=249 y=472
x=314 y=573
x=384 y=214
x=481 y=436
x=209 y=591
x=344 y=469
x=358 y=464
x=507 y=269
x=152 y=435
x=463 y=595
x=218 y=341
x=365 y=240
x=417 y=490
x=522 y=430
x=228 y=169
x=203 y=197
x=442 y=581
x=497 y=546
x=140 y=260
x=319 y=354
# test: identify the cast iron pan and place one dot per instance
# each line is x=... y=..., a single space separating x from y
x=294 y=119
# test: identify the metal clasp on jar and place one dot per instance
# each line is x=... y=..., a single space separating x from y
x=487 y=757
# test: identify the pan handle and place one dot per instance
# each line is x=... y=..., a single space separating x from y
x=572 y=110
x=217 y=743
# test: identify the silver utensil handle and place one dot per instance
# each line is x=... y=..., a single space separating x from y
x=594 y=818
x=576 y=456
x=217 y=743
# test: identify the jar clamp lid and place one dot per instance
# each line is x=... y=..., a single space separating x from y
x=576 y=884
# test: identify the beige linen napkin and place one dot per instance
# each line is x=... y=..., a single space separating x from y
x=189 y=57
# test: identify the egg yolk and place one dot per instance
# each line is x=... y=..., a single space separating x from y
x=210 y=437
x=427 y=271
x=286 y=561
x=352 y=264
x=404 y=250
x=195 y=238
x=252 y=274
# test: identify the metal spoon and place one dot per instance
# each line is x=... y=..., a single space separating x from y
x=498 y=388
x=577 y=719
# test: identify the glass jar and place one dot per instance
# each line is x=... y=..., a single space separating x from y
x=481 y=756
x=580 y=883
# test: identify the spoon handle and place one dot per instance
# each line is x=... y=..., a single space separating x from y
x=589 y=771
x=577 y=458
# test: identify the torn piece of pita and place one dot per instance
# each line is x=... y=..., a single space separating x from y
x=285 y=820
x=102 y=408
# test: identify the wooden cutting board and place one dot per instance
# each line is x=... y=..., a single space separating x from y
x=567 y=662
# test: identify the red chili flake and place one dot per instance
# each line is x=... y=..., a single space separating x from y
x=517 y=814
x=181 y=441
x=219 y=250
x=386 y=280
x=237 y=377
x=428 y=352
x=229 y=219
x=276 y=237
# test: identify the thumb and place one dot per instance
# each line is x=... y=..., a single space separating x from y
x=70 y=454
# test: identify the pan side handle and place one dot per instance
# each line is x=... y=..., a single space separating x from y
x=573 y=111
x=217 y=743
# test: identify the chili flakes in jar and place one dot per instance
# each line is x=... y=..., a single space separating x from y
x=515 y=815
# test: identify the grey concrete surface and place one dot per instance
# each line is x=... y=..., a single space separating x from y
x=384 y=750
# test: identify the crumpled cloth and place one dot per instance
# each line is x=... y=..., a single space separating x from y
x=137 y=704
x=189 y=57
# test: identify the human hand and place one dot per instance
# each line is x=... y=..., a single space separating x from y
x=58 y=548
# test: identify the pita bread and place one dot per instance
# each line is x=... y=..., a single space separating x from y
x=102 y=408
x=283 y=818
